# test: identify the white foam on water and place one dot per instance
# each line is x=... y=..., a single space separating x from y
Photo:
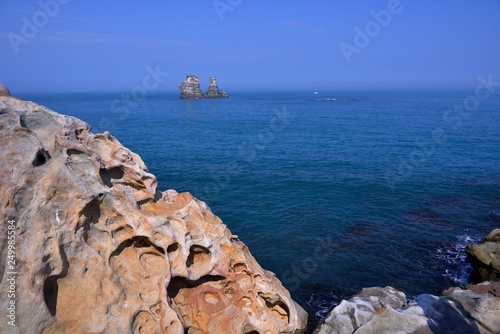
x=458 y=269
x=327 y=99
x=323 y=304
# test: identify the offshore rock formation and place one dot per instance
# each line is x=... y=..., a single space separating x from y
x=213 y=90
x=190 y=89
x=4 y=91
x=99 y=249
x=385 y=310
x=485 y=257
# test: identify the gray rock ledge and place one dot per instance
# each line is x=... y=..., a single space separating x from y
x=475 y=310
x=485 y=257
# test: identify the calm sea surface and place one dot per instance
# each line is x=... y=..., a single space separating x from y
x=332 y=191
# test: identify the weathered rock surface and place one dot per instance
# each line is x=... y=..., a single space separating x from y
x=385 y=310
x=213 y=91
x=485 y=257
x=4 y=91
x=190 y=89
x=101 y=250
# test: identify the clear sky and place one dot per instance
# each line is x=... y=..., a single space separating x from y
x=248 y=44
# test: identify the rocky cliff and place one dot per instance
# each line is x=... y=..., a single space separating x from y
x=190 y=89
x=99 y=249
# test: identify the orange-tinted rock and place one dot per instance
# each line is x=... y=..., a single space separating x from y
x=101 y=250
x=486 y=287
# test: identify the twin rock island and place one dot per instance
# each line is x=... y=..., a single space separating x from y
x=190 y=89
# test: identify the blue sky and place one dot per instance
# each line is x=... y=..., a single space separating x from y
x=107 y=46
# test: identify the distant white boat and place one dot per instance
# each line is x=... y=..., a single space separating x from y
x=316 y=93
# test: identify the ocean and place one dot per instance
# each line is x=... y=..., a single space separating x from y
x=332 y=191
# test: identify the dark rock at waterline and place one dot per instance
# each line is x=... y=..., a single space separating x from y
x=364 y=228
x=452 y=201
x=430 y=218
x=494 y=218
x=485 y=257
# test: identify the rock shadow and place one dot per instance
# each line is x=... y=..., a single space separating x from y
x=178 y=283
x=444 y=318
x=51 y=287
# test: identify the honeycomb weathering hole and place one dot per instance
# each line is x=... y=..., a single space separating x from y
x=277 y=306
x=211 y=297
x=239 y=267
x=153 y=262
x=41 y=158
x=50 y=291
x=145 y=323
x=109 y=175
x=178 y=283
x=198 y=256
x=137 y=242
x=173 y=248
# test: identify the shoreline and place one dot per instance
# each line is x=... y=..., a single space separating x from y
x=363 y=230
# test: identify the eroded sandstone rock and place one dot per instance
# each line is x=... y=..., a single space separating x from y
x=385 y=310
x=101 y=250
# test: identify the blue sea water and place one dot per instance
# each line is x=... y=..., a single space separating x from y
x=332 y=191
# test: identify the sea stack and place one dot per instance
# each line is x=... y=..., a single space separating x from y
x=213 y=90
x=190 y=89
x=4 y=91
